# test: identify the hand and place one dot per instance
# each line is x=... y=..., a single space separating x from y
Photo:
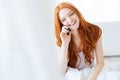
x=65 y=35
x=91 y=77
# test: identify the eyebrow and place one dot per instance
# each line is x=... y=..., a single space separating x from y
x=70 y=12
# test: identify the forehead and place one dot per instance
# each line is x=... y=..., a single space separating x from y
x=63 y=12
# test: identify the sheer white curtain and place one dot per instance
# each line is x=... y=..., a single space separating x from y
x=97 y=10
x=27 y=49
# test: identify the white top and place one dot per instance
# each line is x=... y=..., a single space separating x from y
x=81 y=62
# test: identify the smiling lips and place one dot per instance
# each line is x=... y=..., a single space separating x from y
x=72 y=23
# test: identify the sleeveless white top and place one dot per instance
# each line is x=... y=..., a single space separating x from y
x=81 y=62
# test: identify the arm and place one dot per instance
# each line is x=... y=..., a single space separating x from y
x=63 y=50
x=63 y=58
x=100 y=60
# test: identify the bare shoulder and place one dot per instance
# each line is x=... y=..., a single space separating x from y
x=99 y=42
x=98 y=47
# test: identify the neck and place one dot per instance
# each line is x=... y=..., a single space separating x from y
x=75 y=34
x=76 y=39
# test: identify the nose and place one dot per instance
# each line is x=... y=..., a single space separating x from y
x=69 y=20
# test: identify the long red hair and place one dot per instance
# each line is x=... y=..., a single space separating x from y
x=88 y=33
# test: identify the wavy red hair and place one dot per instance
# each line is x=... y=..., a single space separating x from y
x=88 y=33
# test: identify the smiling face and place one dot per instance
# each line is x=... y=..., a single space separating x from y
x=69 y=18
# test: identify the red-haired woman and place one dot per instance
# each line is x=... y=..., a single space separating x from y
x=79 y=41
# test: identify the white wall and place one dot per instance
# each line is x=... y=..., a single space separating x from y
x=110 y=38
x=97 y=10
x=27 y=50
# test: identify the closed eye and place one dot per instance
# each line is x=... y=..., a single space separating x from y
x=71 y=14
x=63 y=20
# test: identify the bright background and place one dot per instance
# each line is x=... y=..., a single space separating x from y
x=97 y=10
x=27 y=42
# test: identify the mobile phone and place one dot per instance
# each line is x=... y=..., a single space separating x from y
x=68 y=29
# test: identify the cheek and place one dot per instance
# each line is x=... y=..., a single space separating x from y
x=76 y=17
x=64 y=23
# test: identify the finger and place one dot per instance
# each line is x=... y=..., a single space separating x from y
x=66 y=29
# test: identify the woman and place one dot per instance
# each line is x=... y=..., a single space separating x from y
x=79 y=41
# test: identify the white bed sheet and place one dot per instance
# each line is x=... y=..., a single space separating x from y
x=110 y=71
